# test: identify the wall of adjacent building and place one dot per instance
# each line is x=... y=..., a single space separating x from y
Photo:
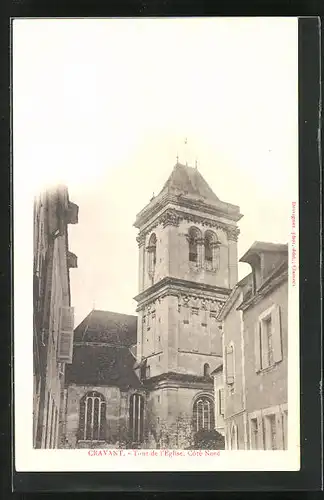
x=266 y=388
x=51 y=276
x=55 y=369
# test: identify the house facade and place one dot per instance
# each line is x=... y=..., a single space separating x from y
x=53 y=315
x=255 y=342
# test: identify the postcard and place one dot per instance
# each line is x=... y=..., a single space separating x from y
x=156 y=274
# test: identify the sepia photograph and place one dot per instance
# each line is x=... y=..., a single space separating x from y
x=155 y=170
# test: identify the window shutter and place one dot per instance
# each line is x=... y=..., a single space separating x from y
x=257 y=347
x=276 y=335
x=260 y=432
x=279 y=433
x=72 y=213
x=264 y=347
x=65 y=348
x=230 y=365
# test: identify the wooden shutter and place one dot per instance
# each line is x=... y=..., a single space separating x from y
x=65 y=347
x=230 y=365
x=260 y=432
x=257 y=347
x=279 y=431
x=72 y=213
x=264 y=346
x=276 y=334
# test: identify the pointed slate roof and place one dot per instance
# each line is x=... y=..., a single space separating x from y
x=189 y=181
x=187 y=188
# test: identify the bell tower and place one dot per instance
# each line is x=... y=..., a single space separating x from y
x=187 y=267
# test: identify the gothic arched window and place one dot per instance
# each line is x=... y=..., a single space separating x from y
x=211 y=246
x=92 y=417
x=136 y=418
x=151 y=254
x=206 y=370
x=194 y=236
x=203 y=414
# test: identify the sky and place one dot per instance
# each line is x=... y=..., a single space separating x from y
x=104 y=105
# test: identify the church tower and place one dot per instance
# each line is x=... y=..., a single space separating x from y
x=187 y=267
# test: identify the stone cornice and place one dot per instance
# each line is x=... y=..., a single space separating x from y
x=173 y=216
x=176 y=380
x=222 y=209
x=176 y=287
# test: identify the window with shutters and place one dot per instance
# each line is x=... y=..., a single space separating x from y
x=136 y=418
x=271 y=432
x=230 y=368
x=256 y=429
x=203 y=414
x=65 y=341
x=268 y=348
x=254 y=433
x=92 y=417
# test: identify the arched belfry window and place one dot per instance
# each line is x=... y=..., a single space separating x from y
x=206 y=370
x=136 y=418
x=193 y=237
x=151 y=254
x=92 y=417
x=211 y=245
x=203 y=414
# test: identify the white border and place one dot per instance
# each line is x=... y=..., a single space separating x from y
x=29 y=459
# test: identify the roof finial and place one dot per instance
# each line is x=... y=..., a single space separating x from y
x=186 y=150
x=177 y=158
x=196 y=164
